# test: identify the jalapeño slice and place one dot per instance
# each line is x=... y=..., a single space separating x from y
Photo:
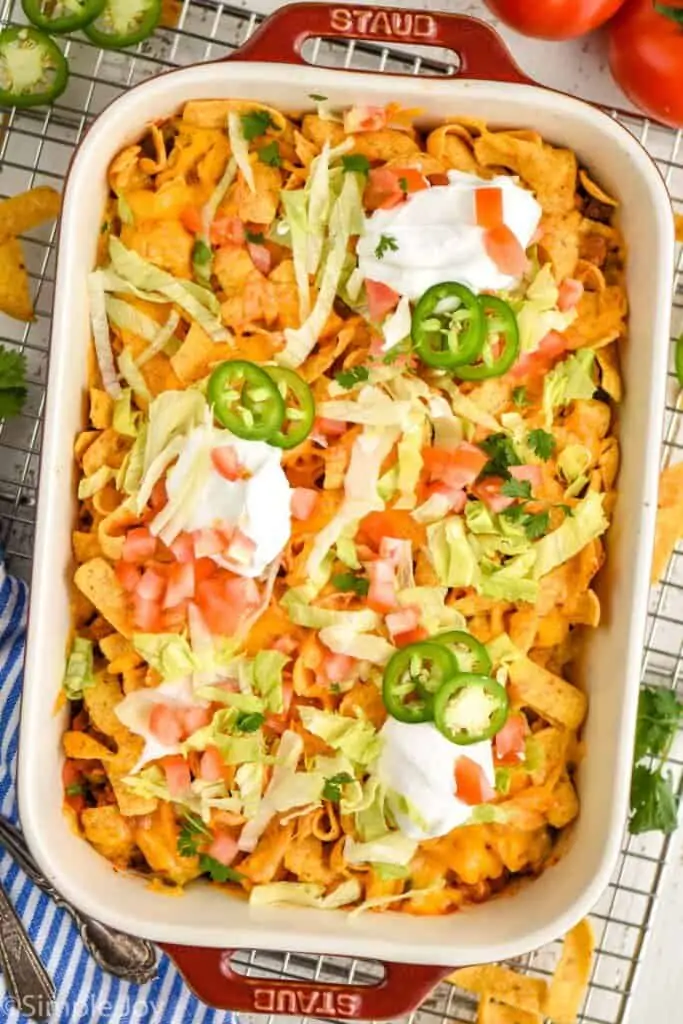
x=62 y=15
x=124 y=23
x=412 y=676
x=476 y=654
x=470 y=708
x=246 y=400
x=33 y=70
x=500 y=324
x=299 y=407
x=448 y=326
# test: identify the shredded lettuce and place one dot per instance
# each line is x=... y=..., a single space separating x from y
x=305 y=894
x=295 y=206
x=432 y=510
x=587 y=523
x=448 y=432
x=129 y=318
x=387 y=485
x=344 y=216
x=410 y=460
x=129 y=476
x=287 y=789
x=150 y=783
x=319 y=208
x=267 y=670
x=124 y=420
x=396 y=328
x=370 y=811
x=467 y=409
x=355 y=738
x=502 y=651
x=386 y=901
x=157 y=469
x=346 y=552
x=164 y=341
x=372 y=407
x=101 y=338
x=110 y=281
x=169 y=653
x=216 y=198
x=452 y=557
x=89 y=485
x=573 y=462
x=200 y=303
x=240 y=148
x=133 y=377
x=364 y=646
x=234 y=749
x=304 y=614
x=392 y=848
x=172 y=414
x=512 y=582
x=435 y=615
x=78 y=675
x=479 y=518
x=538 y=314
x=211 y=796
x=249 y=781
x=569 y=380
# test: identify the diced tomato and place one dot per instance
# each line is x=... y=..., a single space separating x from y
x=390 y=523
x=139 y=545
x=209 y=541
x=438 y=179
x=180 y=585
x=242 y=591
x=503 y=247
x=471 y=784
x=146 y=615
x=191 y=219
x=456 y=468
x=80 y=721
x=330 y=428
x=177 y=772
x=260 y=257
x=128 y=575
x=570 y=293
x=166 y=724
x=337 y=668
x=381 y=299
x=174 y=619
x=382 y=191
x=364 y=119
x=303 y=503
x=287 y=694
x=151 y=586
x=539 y=362
x=413 y=636
x=226 y=462
x=227 y=231
x=183 y=548
x=510 y=741
x=456 y=497
x=284 y=644
x=488 y=206
x=410 y=179
x=204 y=569
x=534 y=474
x=224 y=600
x=489 y=491
x=403 y=621
x=241 y=548
x=211 y=765
x=223 y=848
x=382 y=592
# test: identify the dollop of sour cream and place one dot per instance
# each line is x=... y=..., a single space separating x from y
x=418 y=762
x=436 y=237
x=258 y=504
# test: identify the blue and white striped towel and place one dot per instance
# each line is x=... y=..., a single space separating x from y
x=85 y=994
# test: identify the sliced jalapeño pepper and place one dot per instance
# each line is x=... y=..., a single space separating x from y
x=470 y=708
x=448 y=327
x=299 y=407
x=478 y=659
x=412 y=676
x=124 y=23
x=33 y=70
x=499 y=322
x=62 y=15
x=246 y=400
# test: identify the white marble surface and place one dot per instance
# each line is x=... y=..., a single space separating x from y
x=580 y=67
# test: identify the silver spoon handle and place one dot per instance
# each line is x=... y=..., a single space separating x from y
x=125 y=956
x=28 y=983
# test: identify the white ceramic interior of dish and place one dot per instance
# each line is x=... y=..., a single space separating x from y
x=205 y=916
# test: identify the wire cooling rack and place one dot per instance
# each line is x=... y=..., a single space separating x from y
x=35 y=149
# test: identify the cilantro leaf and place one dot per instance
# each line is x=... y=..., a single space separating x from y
x=516 y=488
x=536 y=524
x=515 y=513
x=347 y=582
x=201 y=253
x=654 y=805
x=255 y=123
x=349 y=378
x=12 y=382
x=387 y=243
x=249 y=721
x=333 y=785
x=502 y=455
x=255 y=237
x=660 y=714
x=219 y=872
x=356 y=162
x=403 y=184
x=317 y=97
x=541 y=443
x=270 y=155
x=75 y=789
x=193 y=832
x=520 y=397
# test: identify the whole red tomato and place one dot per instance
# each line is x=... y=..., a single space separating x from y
x=554 y=19
x=646 y=57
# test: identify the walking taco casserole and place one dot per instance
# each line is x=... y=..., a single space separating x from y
x=342 y=494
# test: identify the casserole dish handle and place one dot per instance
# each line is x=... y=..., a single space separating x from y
x=481 y=52
x=211 y=976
